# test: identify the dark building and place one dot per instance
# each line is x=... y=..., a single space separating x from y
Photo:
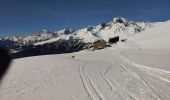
x=114 y=40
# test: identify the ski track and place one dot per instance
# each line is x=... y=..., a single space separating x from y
x=107 y=81
x=125 y=94
x=155 y=82
x=134 y=71
x=87 y=79
x=141 y=78
x=85 y=85
x=94 y=86
x=152 y=72
x=143 y=67
x=146 y=76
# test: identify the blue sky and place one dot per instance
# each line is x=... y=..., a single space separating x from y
x=22 y=17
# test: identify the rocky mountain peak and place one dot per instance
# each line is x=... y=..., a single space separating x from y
x=65 y=31
x=119 y=20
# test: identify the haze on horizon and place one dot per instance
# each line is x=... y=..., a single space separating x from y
x=24 y=17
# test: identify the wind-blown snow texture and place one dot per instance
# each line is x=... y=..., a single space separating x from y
x=108 y=74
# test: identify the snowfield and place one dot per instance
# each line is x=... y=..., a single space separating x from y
x=138 y=69
x=155 y=38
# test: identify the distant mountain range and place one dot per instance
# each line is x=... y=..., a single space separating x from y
x=70 y=40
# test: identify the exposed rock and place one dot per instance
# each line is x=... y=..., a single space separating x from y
x=99 y=44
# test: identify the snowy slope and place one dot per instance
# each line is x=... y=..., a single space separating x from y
x=85 y=35
x=64 y=37
x=155 y=38
x=116 y=73
x=109 y=74
x=98 y=75
x=150 y=47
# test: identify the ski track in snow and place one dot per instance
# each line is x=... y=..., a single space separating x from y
x=152 y=72
x=146 y=75
x=118 y=88
x=85 y=85
x=142 y=79
x=107 y=76
x=121 y=79
x=94 y=86
x=85 y=77
x=142 y=74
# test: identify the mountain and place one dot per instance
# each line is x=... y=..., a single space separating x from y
x=119 y=26
x=65 y=31
x=137 y=69
x=9 y=42
x=57 y=47
x=42 y=35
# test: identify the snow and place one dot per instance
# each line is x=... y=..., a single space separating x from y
x=14 y=39
x=84 y=35
x=94 y=75
x=135 y=70
x=150 y=47
x=65 y=31
x=117 y=27
x=156 y=38
x=65 y=37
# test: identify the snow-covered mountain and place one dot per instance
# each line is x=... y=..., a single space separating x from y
x=65 y=31
x=137 y=69
x=119 y=26
x=42 y=35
